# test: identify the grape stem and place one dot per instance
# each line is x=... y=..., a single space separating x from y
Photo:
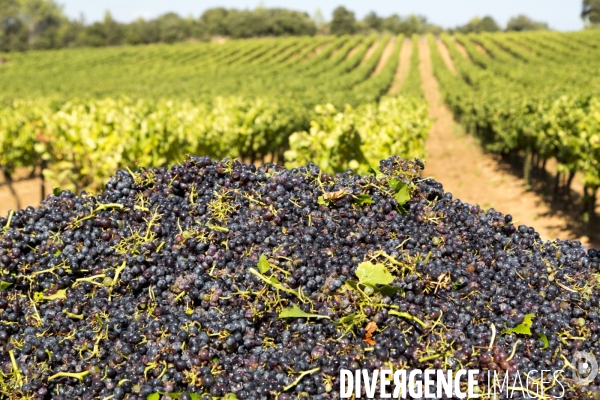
x=514 y=349
x=71 y=315
x=302 y=375
x=275 y=285
x=15 y=366
x=429 y=358
x=493 y=327
x=409 y=317
x=10 y=216
x=79 y=375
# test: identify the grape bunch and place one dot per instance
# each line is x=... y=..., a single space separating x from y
x=220 y=280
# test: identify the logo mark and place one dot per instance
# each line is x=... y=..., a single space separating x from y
x=585 y=368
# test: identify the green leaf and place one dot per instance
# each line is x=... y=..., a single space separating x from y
x=523 y=328
x=373 y=274
x=402 y=196
x=385 y=290
x=263 y=264
x=351 y=284
x=363 y=199
x=396 y=185
x=4 y=285
x=388 y=290
x=57 y=253
x=544 y=339
x=296 y=312
x=153 y=396
x=56 y=193
x=348 y=319
x=322 y=201
x=274 y=280
x=378 y=174
x=230 y=396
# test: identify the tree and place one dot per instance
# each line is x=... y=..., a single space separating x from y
x=343 y=22
x=113 y=31
x=14 y=35
x=488 y=24
x=373 y=21
x=318 y=18
x=406 y=25
x=591 y=12
x=214 y=21
x=524 y=23
x=173 y=28
x=43 y=19
x=106 y=33
x=268 y=22
x=485 y=24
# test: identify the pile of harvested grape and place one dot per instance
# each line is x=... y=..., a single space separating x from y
x=222 y=280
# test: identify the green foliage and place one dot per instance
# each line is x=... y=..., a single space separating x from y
x=267 y=22
x=591 y=12
x=358 y=138
x=373 y=274
x=524 y=23
x=343 y=22
x=537 y=92
x=477 y=25
x=412 y=85
x=296 y=312
x=363 y=199
x=4 y=285
x=41 y=24
x=82 y=141
x=524 y=328
x=373 y=21
x=544 y=339
x=402 y=195
x=263 y=264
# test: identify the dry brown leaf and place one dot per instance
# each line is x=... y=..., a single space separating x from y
x=370 y=329
x=334 y=196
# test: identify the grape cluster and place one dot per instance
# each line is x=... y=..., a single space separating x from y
x=220 y=280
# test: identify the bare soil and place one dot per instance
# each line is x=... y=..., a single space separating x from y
x=458 y=162
x=403 y=66
x=316 y=51
x=445 y=56
x=461 y=49
x=28 y=191
x=481 y=49
x=369 y=52
x=385 y=56
x=351 y=52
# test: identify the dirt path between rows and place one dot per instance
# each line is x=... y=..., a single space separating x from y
x=28 y=190
x=458 y=162
x=369 y=52
x=461 y=49
x=385 y=56
x=403 y=66
x=445 y=56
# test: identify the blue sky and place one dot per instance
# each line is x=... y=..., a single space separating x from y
x=560 y=14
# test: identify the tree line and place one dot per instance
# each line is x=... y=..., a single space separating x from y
x=42 y=24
